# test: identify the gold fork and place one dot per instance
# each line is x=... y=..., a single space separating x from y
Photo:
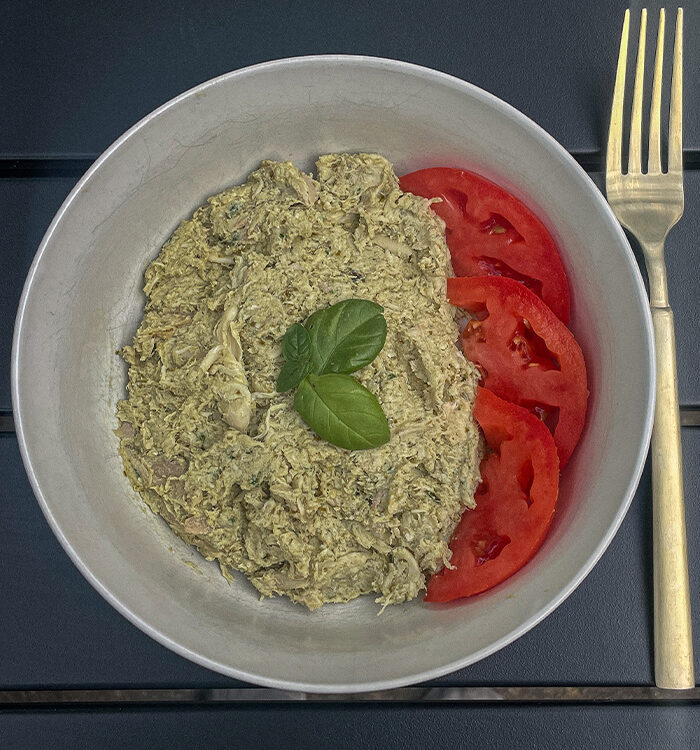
x=649 y=204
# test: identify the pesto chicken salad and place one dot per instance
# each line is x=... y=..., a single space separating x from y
x=322 y=471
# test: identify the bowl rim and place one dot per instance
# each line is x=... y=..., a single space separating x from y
x=503 y=108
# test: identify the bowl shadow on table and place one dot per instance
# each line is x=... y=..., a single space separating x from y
x=646 y=554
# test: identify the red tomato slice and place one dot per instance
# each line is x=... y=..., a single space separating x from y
x=515 y=502
x=491 y=233
x=526 y=354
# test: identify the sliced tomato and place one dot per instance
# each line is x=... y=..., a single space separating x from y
x=492 y=233
x=515 y=502
x=526 y=354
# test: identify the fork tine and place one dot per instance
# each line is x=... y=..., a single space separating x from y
x=655 y=119
x=675 y=123
x=635 y=157
x=614 y=155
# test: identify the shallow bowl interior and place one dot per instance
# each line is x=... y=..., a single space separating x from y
x=83 y=300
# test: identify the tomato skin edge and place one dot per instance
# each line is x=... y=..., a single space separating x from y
x=535 y=254
x=567 y=390
x=471 y=576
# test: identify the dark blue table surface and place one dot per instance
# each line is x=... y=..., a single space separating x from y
x=85 y=72
x=74 y=76
x=352 y=727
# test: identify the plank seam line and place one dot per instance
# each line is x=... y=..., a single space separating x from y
x=69 y=166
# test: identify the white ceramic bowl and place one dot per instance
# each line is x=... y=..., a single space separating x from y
x=83 y=299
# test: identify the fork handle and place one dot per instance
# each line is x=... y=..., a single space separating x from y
x=673 y=645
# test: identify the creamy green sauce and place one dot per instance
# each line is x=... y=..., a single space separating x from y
x=226 y=460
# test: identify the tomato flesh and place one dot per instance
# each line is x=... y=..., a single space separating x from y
x=525 y=353
x=516 y=501
x=491 y=233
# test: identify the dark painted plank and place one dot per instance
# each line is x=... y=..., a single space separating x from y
x=29 y=204
x=58 y=632
x=352 y=726
x=80 y=73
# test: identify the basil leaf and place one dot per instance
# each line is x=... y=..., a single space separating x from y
x=342 y=411
x=292 y=373
x=313 y=318
x=296 y=343
x=346 y=336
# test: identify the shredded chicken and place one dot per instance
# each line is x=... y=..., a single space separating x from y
x=227 y=461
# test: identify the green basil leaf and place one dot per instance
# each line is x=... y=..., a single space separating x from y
x=346 y=336
x=313 y=318
x=342 y=411
x=296 y=343
x=292 y=373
